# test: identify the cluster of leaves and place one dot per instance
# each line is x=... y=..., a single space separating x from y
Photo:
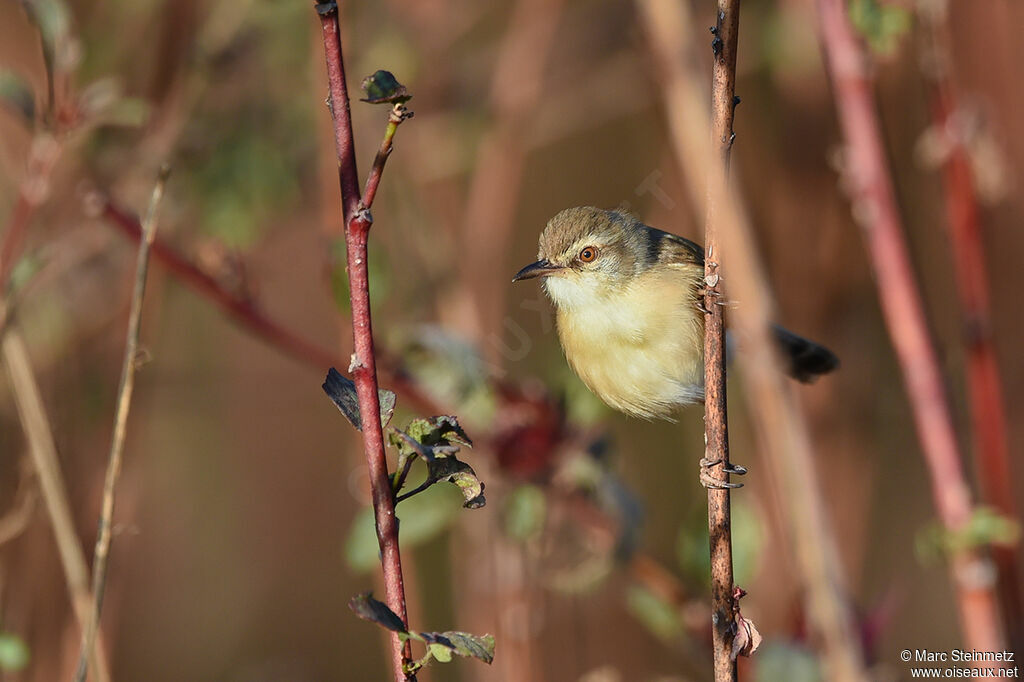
x=440 y=645
x=435 y=441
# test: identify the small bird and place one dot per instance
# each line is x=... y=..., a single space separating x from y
x=630 y=314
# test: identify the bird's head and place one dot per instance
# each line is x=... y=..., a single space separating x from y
x=587 y=254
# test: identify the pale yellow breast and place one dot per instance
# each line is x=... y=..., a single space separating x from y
x=639 y=349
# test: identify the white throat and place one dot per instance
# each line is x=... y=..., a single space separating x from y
x=573 y=291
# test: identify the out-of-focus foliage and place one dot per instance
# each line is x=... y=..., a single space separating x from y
x=882 y=22
x=985 y=527
x=657 y=615
x=14 y=654
x=747 y=541
x=524 y=512
x=379 y=270
x=421 y=518
x=777 y=660
x=247 y=152
x=15 y=94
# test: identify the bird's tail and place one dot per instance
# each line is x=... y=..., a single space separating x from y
x=806 y=359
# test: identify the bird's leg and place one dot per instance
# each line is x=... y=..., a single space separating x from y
x=709 y=481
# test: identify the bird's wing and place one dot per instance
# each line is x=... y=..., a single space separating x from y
x=672 y=248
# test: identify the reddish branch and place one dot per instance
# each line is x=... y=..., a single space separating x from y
x=32 y=192
x=716 y=456
x=874 y=205
x=357 y=222
x=239 y=307
x=988 y=416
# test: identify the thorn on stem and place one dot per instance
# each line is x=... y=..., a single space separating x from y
x=143 y=356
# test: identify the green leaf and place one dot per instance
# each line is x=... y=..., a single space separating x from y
x=14 y=653
x=440 y=430
x=368 y=608
x=441 y=652
x=440 y=645
x=16 y=94
x=383 y=88
x=472 y=645
x=462 y=643
x=342 y=391
x=432 y=439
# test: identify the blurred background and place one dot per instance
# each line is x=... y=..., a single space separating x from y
x=242 y=527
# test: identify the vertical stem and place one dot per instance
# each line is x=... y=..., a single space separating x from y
x=43 y=452
x=874 y=204
x=124 y=401
x=777 y=419
x=716 y=423
x=348 y=176
x=357 y=221
x=985 y=391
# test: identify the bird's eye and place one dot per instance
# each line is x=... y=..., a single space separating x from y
x=588 y=254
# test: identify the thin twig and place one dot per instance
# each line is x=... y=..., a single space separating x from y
x=716 y=433
x=874 y=204
x=779 y=422
x=124 y=400
x=357 y=222
x=985 y=391
x=398 y=114
x=43 y=451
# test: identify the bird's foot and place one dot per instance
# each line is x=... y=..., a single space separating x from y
x=710 y=482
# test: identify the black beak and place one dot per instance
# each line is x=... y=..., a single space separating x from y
x=539 y=269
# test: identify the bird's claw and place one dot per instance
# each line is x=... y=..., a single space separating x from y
x=710 y=482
